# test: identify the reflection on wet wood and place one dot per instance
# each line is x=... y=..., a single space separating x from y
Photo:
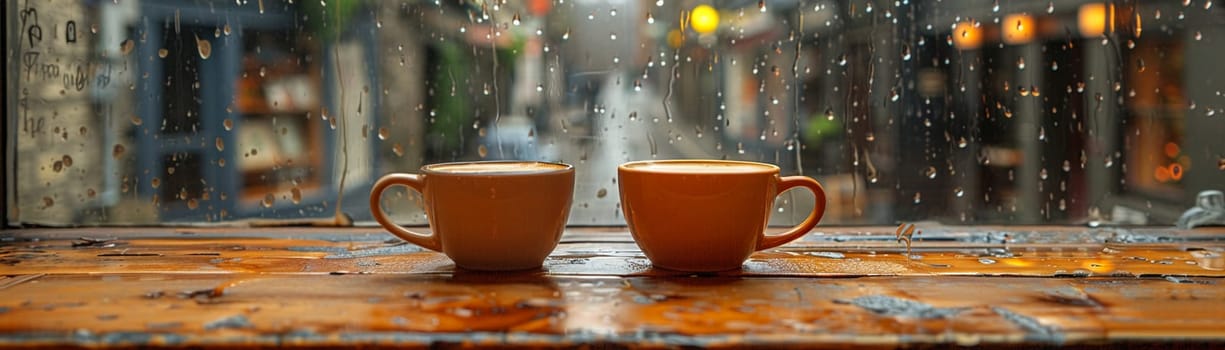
x=354 y=287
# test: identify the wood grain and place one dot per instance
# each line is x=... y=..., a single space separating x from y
x=850 y=286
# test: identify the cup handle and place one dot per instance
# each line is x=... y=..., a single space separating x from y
x=818 y=210
x=415 y=182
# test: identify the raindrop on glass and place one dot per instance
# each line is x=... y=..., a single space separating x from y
x=127 y=46
x=204 y=47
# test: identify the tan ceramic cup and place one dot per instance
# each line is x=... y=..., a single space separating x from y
x=707 y=215
x=487 y=215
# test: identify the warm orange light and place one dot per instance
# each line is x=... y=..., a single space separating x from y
x=1162 y=174
x=539 y=7
x=1018 y=28
x=1176 y=172
x=1171 y=149
x=675 y=38
x=1094 y=19
x=967 y=36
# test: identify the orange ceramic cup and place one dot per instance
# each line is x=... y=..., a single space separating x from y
x=707 y=215
x=487 y=215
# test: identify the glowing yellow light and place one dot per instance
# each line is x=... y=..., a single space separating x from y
x=1018 y=28
x=966 y=36
x=704 y=19
x=1094 y=19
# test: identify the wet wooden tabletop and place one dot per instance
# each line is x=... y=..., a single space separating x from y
x=319 y=287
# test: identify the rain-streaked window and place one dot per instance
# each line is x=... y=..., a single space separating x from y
x=963 y=112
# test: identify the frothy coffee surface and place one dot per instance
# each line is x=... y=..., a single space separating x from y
x=699 y=166
x=496 y=167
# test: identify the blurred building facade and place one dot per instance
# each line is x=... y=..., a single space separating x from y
x=146 y=112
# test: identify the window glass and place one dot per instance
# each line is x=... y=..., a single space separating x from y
x=958 y=111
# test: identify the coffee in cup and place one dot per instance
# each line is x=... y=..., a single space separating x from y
x=707 y=215
x=501 y=215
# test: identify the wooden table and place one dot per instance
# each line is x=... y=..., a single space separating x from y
x=313 y=287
